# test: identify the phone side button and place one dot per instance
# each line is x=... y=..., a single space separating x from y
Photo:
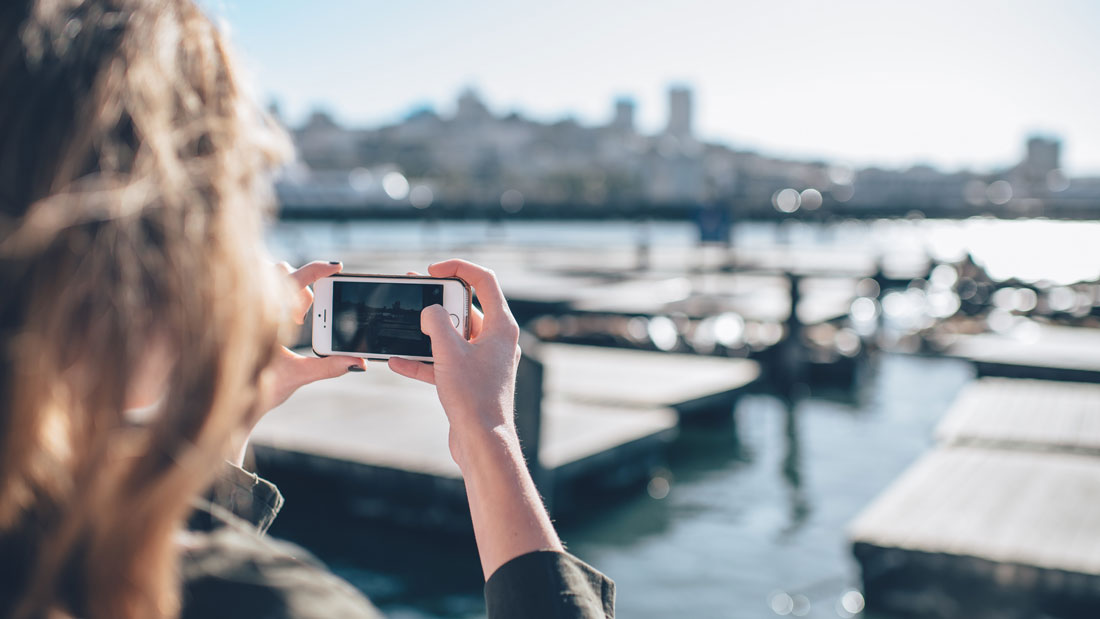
x=454 y=320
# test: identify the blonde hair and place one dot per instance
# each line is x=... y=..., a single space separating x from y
x=131 y=173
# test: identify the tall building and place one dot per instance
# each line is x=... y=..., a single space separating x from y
x=679 y=112
x=471 y=107
x=624 y=114
x=1043 y=154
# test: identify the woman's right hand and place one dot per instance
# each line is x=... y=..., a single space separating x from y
x=475 y=379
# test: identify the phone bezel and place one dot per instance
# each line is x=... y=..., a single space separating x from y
x=322 y=309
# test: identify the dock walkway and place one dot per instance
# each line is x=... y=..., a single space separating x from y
x=980 y=532
x=1028 y=414
x=1002 y=518
x=383 y=440
x=1041 y=351
x=380 y=441
x=690 y=384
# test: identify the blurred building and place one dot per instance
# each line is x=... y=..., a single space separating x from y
x=679 y=112
x=480 y=160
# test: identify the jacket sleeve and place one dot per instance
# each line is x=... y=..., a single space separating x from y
x=246 y=496
x=549 y=584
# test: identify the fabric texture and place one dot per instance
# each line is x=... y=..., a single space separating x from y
x=234 y=572
x=231 y=569
x=549 y=585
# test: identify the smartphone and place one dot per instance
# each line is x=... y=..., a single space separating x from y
x=378 y=316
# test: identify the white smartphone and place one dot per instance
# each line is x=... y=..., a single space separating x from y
x=378 y=316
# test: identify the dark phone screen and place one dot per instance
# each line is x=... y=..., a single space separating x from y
x=381 y=318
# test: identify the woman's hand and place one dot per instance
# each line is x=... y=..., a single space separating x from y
x=475 y=381
x=288 y=369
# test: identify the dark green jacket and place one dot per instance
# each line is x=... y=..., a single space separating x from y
x=231 y=569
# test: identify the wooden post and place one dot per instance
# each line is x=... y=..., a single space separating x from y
x=529 y=379
x=792 y=353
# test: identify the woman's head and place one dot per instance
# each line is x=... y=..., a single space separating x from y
x=131 y=173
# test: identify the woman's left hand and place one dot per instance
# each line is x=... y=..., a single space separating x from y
x=289 y=370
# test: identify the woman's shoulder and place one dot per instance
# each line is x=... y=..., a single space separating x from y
x=233 y=571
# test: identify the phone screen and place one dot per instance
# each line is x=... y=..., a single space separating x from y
x=382 y=318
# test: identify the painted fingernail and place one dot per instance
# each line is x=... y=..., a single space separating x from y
x=356 y=368
x=334 y=262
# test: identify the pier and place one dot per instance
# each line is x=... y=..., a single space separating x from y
x=982 y=532
x=599 y=421
x=1001 y=518
x=1036 y=351
x=1025 y=414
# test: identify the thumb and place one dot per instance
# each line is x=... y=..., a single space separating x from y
x=331 y=367
x=436 y=323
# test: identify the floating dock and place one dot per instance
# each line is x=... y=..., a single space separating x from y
x=1036 y=351
x=1025 y=414
x=1002 y=519
x=981 y=533
x=377 y=443
x=690 y=384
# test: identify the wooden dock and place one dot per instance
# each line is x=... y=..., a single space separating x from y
x=754 y=296
x=1025 y=414
x=379 y=441
x=981 y=533
x=1002 y=519
x=382 y=439
x=690 y=384
x=1039 y=351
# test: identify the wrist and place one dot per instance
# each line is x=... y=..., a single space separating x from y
x=477 y=448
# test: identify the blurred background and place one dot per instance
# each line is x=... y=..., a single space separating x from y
x=809 y=289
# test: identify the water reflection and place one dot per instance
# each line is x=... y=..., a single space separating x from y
x=799 y=504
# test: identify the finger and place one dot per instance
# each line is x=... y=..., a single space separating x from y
x=476 y=317
x=320 y=368
x=413 y=369
x=315 y=271
x=476 y=320
x=305 y=370
x=301 y=305
x=482 y=279
x=292 y=371
x=436 y=323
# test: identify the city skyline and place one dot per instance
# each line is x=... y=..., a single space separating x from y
x=954 y=87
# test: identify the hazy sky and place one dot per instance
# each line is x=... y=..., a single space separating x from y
x=954 y=83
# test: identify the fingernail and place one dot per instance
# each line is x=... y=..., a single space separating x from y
x=334 y=262
x=356 y=368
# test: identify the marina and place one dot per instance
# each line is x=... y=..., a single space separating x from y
x=673 y=383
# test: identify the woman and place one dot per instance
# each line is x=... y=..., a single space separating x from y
x=131 y=264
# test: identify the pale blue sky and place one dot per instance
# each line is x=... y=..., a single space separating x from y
x=952 y=83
